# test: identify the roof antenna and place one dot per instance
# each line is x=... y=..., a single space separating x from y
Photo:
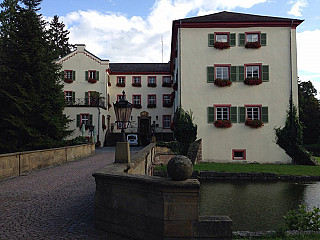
x=162 y=48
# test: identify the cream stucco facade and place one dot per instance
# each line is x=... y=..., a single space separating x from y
x=192 y=59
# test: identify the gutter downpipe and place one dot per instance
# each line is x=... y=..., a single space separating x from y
x=291 y=86
x=179 y=85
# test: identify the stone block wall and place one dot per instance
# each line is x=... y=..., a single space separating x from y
x=15 y=164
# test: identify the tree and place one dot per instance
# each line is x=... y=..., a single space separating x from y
x=58 y=38
x=309 y=112
x=31 y=90
x=185 y=131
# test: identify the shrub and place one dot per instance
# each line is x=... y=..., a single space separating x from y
x=185 y=131
x=303 y=220
x=173 y=145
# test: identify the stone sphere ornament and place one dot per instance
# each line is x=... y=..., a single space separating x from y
x=179 y=168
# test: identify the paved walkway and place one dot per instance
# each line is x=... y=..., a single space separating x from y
x=53 y=203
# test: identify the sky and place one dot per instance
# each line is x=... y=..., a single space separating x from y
x=138 y=30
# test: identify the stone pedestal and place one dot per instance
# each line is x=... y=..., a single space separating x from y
x=122 y=152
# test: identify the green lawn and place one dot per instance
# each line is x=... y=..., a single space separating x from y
x=318 y=158
x=267 y=168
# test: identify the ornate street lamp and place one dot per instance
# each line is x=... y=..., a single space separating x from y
x=123 y=109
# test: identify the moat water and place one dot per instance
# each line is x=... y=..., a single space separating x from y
x=256 y=206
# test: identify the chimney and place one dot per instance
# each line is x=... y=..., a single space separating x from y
x=80 y=47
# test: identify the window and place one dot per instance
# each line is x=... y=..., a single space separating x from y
x=222 y=113
x=152 y=99
x=222 y=72
x=238 y=154
x=166 y=121
x=68 y=74
x=84 y=119
x=252 y=37
x=253 y=113
x=120 y=96
x=152 y=81
x=253 y=71
x=92 y=74
x=136 y=99
x=120 y=125
x=222 y=37
x=121 y=81
x=167 y=100
x=166 y=79
x=68 y=96
x=136 y=80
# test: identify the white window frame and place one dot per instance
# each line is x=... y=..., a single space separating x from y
x=222 y=72
x=92 y=74
x=152 y=80
x=137 y=99
x=221 y=38
x=121 y=80
x=166 y=99
x=137 y=80
x=68 y=96
x=166 y=121
x=68 y=74
x=252 y=37
x=152 y=99
x=166 y=79
x=253 y=113
x=84 y=119
x=252 y=70
x=222 y=113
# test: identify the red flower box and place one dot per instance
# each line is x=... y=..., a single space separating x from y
x=166 y=84
x=252 y=81
x=253 y=45
x=223 y=123
x=152 y=85
x=222 y=83
x=137 y=106
x=68 y=80
x=151 y=105
x=91 y=80
x=221 y=45
x=121 y=84
x=253 y=123
x=136 y=84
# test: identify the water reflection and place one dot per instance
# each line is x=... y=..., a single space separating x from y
x=256 y=206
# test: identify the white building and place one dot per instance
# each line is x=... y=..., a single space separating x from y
x=243 y=50
x=254 y=56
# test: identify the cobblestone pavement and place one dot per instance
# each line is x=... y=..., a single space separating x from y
x=55 y=202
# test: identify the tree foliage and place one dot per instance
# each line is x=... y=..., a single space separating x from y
x=185 y=131
x=31 y=93
x=290 y=138
x=58 y=37
x=309 y=112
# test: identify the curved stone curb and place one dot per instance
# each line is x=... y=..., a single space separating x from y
x=210 y=175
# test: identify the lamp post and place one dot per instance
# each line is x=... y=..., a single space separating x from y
x=123 y=109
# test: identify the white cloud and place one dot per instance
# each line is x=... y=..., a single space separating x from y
x=118 y=38
x=297 y=7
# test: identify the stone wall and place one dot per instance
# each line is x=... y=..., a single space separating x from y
x=148 y=207
x=15 y=164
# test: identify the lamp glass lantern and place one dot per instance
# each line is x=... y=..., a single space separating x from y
x=123 y=109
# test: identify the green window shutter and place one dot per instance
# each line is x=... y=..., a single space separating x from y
x=210 y=74
x=265 y=73
x=73 y=97
x=233 y=73
x=73 y=75
x=86 y=98
x=90 y=119
x=242 y=39
x=211 y=40
x=233 y=114
x=97 y=75
x=241 y=73
x=263 y=39
x=78 y=120
x=242 y=114
x=264 y=115
x=62 y=75
x=210 y=114
x=86 y=75
x=232 y=39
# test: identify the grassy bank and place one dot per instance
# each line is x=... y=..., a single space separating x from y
x=295 y=170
